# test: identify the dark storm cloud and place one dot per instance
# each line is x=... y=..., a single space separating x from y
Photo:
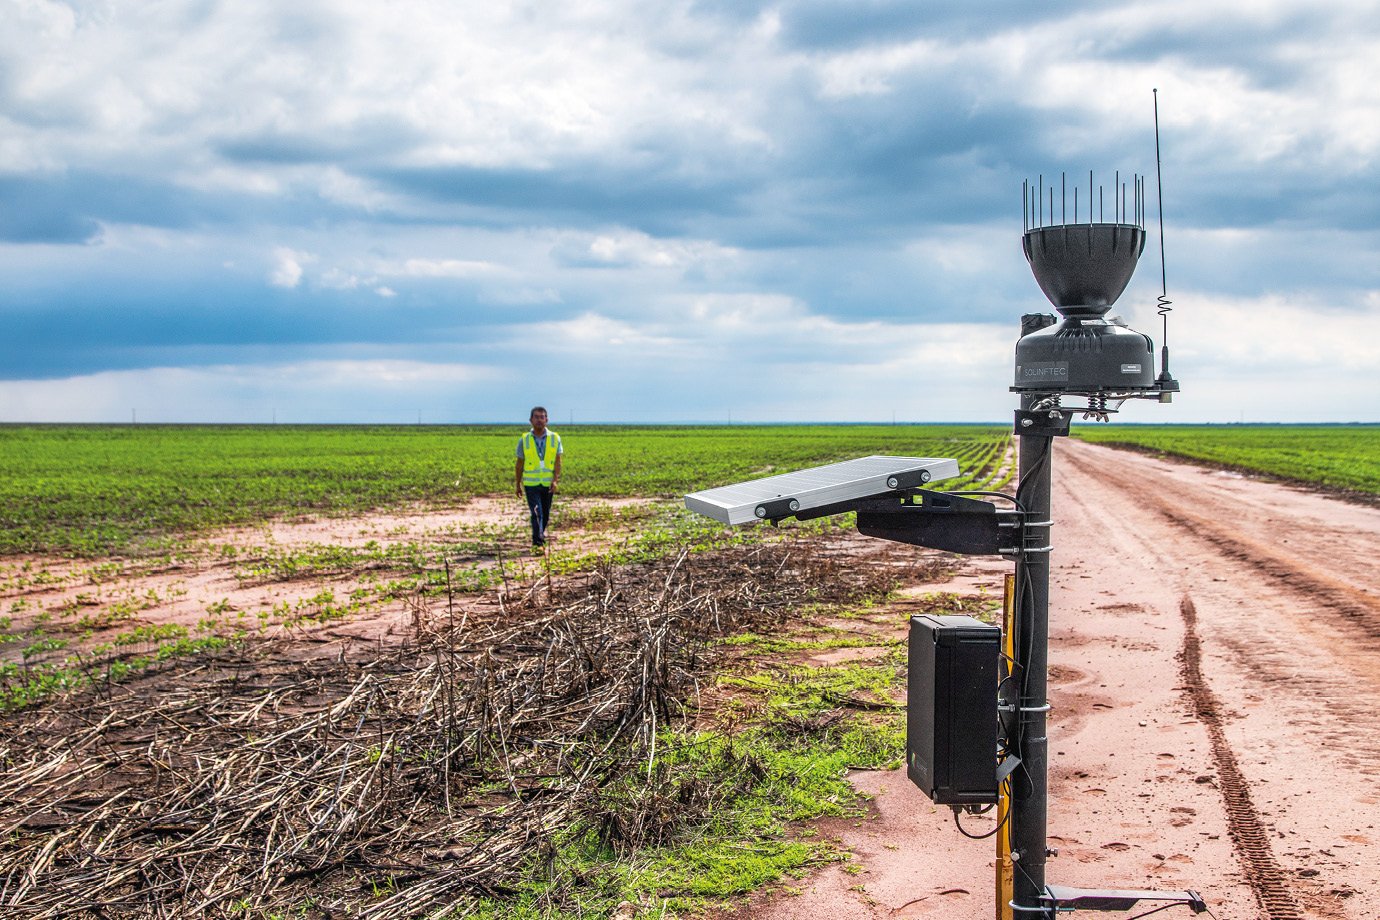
x=34 y=213
x=835 y=25
x=55 y=329
x=916 y=157
x=652 y=199
x=1282 y=194
x=360 y=142
x=81 y=199
x=68 y=207
x=847 y=169
x=840 y=24
x=1254 y=48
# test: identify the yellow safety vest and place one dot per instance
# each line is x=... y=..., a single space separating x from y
x=535 y=470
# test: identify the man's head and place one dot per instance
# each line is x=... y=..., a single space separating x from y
x=538 y=419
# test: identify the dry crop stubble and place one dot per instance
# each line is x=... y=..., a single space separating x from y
x=419 y=781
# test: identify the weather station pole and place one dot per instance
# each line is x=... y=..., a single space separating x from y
x=976 y=694
x=1029 y=795
x=1082 y=267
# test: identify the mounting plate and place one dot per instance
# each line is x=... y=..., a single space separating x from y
x=775 y=497
x=1064 y=897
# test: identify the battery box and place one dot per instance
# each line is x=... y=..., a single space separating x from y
x=951 y=718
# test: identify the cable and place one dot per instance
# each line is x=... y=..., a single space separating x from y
x=1036 y=466
x=1023 y=641
x=1160 y=908
x=992 y=833
x=1023 y=586
x=1010 y=498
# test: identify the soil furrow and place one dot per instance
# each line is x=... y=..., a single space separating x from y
x=1313 y=587
x=1248 y=833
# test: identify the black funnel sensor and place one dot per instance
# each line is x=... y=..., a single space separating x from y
x=1083 y=268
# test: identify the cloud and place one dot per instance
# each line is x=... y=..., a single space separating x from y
x=624 y=248
x=676 y=205
x=1281 y=336
x=518 y=296
x=590 y=331
x=438 y=268
x=312 y=391
x=287 y=269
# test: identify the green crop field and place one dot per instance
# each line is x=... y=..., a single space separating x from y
x=91 y=490
x=1337 y=456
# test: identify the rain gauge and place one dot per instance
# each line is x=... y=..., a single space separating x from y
x=976 y=715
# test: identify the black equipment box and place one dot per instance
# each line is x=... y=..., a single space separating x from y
x=951 y=718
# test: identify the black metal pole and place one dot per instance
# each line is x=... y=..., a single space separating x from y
x=1029 y=787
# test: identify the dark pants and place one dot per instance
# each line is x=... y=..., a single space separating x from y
x=539 y=503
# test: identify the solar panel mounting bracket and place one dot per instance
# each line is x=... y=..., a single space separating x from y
x=947 y=521
x=887 y=495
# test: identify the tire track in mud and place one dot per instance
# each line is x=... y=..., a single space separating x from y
x=1355 y=607
x=1249 y=836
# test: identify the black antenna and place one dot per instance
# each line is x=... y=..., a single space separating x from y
x=1166 y=382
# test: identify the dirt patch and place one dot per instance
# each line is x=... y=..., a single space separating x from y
x=479 y=512
x=309 y=578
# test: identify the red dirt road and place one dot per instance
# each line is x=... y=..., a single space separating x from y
x=1215 y=664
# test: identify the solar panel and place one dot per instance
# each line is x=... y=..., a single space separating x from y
x=785 y=494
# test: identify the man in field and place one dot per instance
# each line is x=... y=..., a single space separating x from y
x=537 y=472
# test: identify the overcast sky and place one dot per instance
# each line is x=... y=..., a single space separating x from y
x=355 y=211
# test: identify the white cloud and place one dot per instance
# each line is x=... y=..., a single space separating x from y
x=1260 y=110
x=1278 y=337
x=623 y=247
x=872 y=70
x=336 y=184
x=438 y=268
x=757 y=314
x=339 y=280
x=287 y=269
x=518 y=296
x=588 y=334
x=352 y=271
x=330 y=390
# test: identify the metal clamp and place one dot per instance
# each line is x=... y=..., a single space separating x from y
x=1050 y=424
x=908 y=480
x=1032 y=910
x=777 y=509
